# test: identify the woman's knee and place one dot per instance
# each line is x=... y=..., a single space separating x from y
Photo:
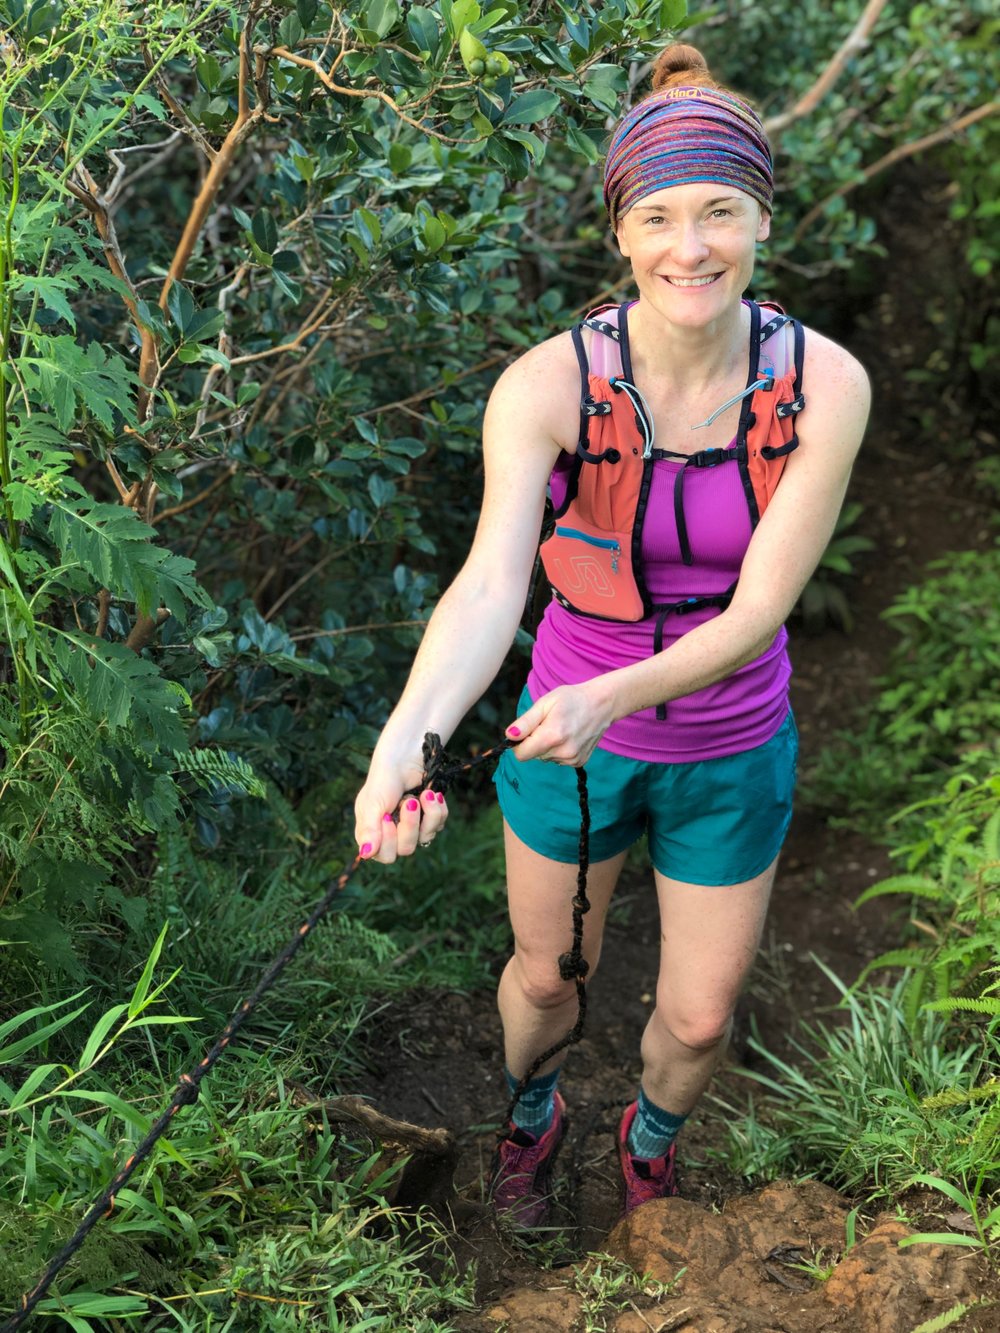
x=699 y=1026
x=540 y=981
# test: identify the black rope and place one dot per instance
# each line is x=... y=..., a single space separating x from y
x=572 y=964
x=440 y=772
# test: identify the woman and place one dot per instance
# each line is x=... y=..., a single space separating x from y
x=681 y=719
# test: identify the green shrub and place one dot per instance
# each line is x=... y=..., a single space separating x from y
x=871 y=1102
x=937 y=710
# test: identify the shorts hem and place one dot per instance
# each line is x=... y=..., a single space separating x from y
x=597 y=855
x=729 y=881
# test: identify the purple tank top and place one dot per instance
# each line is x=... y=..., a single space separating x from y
x=738 y=713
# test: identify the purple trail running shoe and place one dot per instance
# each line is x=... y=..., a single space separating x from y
x=645 y=1177
x=520 y=1185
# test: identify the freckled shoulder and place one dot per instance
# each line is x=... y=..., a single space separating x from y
x=838 y=396
x=542 y=389
x=827 y=363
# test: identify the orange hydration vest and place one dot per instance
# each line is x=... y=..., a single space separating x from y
x=592 y=553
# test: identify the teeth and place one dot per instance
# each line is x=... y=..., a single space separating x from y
x=693 y=282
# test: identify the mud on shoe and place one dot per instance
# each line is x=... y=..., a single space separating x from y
x=519 y=1188
x=645 y=1177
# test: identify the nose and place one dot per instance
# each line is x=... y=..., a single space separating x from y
x=690 y=246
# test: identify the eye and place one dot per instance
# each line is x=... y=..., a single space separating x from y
x=656 y=217
x=721 y=213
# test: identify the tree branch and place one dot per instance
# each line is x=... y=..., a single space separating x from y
x=855 y=41
x=190 y=127
x=283 y=53
x=244 y=125
x=313 y=322
x=196 y=499
x=896 y=155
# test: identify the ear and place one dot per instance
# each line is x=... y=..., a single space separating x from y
x=764 y=226
x=623 y=245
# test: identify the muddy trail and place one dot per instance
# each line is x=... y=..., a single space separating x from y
x=764 y=1261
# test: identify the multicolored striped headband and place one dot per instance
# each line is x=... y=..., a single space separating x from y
x=684 y=134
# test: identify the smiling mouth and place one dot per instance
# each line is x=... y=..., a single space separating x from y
x=705 y=281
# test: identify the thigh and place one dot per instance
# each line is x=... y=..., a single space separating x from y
x=540 y=895
x=709 y=940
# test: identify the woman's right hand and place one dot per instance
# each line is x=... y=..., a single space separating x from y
x=389 y=823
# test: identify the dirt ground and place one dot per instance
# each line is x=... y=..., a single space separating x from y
x=444 y=1070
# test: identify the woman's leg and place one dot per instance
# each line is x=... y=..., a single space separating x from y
x=709 y=940
x=537 y=1007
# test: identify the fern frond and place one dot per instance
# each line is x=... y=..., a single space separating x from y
x=116 y=549
x=961 y=1096
x=220 y=772
x=118 y=687
x=979 y=1006
x=917 y=956
x=920 y=886
x=943 y=1321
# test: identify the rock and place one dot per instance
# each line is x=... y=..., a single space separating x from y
x=554 y=1310
x=756 y=1268
x=889 y=1290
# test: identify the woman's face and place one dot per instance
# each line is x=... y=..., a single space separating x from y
x=692 y=248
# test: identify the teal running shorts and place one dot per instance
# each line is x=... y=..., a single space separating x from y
x=711 y=822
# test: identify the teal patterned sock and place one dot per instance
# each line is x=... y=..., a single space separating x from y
x=536 y=1105
x=653 y=1129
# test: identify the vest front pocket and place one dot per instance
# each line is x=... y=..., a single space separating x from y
x=591 y=573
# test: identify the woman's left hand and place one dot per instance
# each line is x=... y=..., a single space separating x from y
x=563 y=726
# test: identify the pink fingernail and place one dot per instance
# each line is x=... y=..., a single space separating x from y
x=440 y=796
x=366 y=850
x=387 y=819
x=513 y=731
x=429 y=796
x=412 y=805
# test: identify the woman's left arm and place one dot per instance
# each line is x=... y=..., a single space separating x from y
x=566 y=724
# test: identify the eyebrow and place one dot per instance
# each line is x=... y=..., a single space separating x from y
x=709 y=203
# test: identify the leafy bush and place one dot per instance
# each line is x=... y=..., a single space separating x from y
x=937 y=709
x=955 y=905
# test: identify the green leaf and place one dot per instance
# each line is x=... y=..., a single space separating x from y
x=118 y=687
x=940 y=1238
x=31 y=1085
x=265 y=231
x=50 y=288
x=672 y=13
x=381 y=16
x=463 y=12
x=113 y=1103
x=434 y=234
x=96 y=1039
x=531 y=107
x=290 y=30
x=138 y=1000
x=526 y=139
x=8 y=1054
x=116 y=548
x=582 y=143
x=101 y=382
x=423 y=29
x=181 y=305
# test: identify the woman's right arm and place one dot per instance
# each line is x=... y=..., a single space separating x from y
x=474 y=623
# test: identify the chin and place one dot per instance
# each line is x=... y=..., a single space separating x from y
x=697 y=308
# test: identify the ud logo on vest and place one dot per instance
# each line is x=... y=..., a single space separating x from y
x=584 y=573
